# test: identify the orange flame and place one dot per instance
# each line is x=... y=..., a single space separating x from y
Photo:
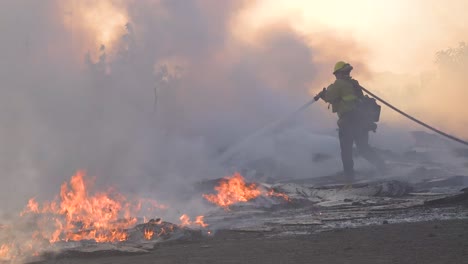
x=148 y=234
x=199 y=221
x=280 y=195
x=5 y=251
x=185 y=221
x=78 y=215
x=102 y=217
x=232 y=190
x=32 y=207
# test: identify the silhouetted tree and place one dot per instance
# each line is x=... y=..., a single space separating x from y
x=453 y=62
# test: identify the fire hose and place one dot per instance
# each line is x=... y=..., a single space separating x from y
x=233 y=149
x=414 y=119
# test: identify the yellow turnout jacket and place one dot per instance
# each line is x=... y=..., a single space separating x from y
x=342 y=95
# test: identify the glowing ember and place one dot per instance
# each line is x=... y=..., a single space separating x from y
x=280 y=195
x=232 y=190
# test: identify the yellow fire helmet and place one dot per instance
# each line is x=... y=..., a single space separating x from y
x=340 y=65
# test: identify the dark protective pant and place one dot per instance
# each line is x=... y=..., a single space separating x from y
x=352 y=131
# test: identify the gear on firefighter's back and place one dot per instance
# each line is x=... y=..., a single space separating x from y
x=345 y=96
x=341 y=95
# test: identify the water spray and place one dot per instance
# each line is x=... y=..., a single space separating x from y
x=231 y=151
x=240 y=144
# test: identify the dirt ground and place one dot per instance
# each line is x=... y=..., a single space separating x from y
x=423 y=242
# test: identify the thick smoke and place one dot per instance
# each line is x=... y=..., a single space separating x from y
x=399 y=39
x=148 y=113
x=435 y=96
x=168 y=92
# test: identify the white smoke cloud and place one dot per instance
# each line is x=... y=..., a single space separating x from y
x=119 y=115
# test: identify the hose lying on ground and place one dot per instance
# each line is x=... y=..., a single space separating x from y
x=414 y=119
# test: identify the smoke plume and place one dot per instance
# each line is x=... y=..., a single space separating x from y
x=144 y=95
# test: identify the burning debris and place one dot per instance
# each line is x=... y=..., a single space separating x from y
x=232 y=190
x=79 y=221
x=77 y=217
x=156 y=230
x=6 y=252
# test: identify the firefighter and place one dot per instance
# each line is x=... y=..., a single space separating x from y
x=345 y=97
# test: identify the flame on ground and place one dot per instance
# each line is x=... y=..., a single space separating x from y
x=5 y=251
x=77 y=214
x=277 y=194
x=234 y=189
x=148 y=234
x=199 y=221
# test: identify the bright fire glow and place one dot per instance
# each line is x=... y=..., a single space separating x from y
x=79 y=214
x=148 y=234
x=96 y=22
x=444 y=26
x=103 y=217
x=5 y=251
x=185 y=221
x=232 y=190
x=199 y=220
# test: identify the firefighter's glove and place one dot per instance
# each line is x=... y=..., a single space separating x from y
x=320 y=95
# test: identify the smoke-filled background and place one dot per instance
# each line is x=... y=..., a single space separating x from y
x=146 y=95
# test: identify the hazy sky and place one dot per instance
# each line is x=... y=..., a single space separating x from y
x=399 y=35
